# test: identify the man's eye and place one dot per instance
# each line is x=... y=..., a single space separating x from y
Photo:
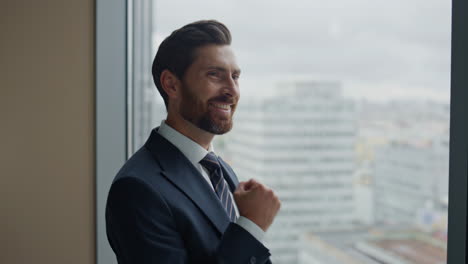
x=213 y=74
x=235 y=77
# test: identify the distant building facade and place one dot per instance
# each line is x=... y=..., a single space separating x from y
x=409 y=178
x=301 y=144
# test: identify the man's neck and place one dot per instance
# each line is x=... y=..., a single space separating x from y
x=187 y=129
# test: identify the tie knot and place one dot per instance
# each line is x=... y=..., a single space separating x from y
x=210 y=162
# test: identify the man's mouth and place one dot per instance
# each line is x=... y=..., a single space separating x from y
x=222 y=107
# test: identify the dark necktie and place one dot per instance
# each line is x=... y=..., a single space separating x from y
x=211 y=163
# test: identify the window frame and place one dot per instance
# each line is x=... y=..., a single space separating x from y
x=458 y=157
x=113 y=117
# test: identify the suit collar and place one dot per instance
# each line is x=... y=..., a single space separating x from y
x=176 y=168
x=191 y=149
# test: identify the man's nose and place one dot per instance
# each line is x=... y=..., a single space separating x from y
x=231 y=87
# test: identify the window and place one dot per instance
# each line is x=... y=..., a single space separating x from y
x=365 y=76
x=363 y=70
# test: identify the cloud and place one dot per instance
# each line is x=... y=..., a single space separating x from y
x=372 y=41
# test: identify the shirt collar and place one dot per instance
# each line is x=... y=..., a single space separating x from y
x=191 y=149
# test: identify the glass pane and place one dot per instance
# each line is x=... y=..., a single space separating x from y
x=344 y=112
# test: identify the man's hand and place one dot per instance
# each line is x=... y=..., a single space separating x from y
x=257 y=202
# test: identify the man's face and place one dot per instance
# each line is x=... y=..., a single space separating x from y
x=210 y=89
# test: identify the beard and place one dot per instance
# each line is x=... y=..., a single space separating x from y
x=195 y=111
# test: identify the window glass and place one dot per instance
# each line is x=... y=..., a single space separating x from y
x=344 y=112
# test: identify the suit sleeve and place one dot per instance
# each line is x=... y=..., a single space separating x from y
x=140 y=226
x=141 y=229
x=239 y=246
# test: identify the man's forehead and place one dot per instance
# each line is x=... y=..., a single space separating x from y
x=216 y=56
x=221 y=68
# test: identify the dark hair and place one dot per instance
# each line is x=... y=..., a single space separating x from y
x=177 y=52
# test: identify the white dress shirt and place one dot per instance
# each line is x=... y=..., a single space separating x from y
x=195 y=153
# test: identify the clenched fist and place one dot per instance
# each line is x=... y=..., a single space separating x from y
x=257 y=202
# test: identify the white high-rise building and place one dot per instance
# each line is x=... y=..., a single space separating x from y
x=302 y=144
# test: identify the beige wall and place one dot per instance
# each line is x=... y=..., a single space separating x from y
x=47 y=131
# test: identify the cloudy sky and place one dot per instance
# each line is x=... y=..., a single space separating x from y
x=377 y=49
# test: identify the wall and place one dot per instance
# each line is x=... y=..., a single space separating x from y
x=47 y=131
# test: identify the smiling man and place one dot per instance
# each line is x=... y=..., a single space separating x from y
x=175 y=201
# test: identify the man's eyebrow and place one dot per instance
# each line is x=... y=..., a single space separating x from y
x=237 y=70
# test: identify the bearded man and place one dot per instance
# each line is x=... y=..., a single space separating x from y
x=175 y=201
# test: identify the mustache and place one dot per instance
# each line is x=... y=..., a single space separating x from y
x=224 y=99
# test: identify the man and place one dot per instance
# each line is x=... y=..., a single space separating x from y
x=175 y=201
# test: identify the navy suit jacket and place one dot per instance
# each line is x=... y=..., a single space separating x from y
x=161 y=210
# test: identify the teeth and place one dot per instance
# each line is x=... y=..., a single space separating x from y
x=223 y=106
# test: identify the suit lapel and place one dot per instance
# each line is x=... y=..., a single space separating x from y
x=177 y=169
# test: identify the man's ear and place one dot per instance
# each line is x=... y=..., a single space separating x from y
x=170 y=84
